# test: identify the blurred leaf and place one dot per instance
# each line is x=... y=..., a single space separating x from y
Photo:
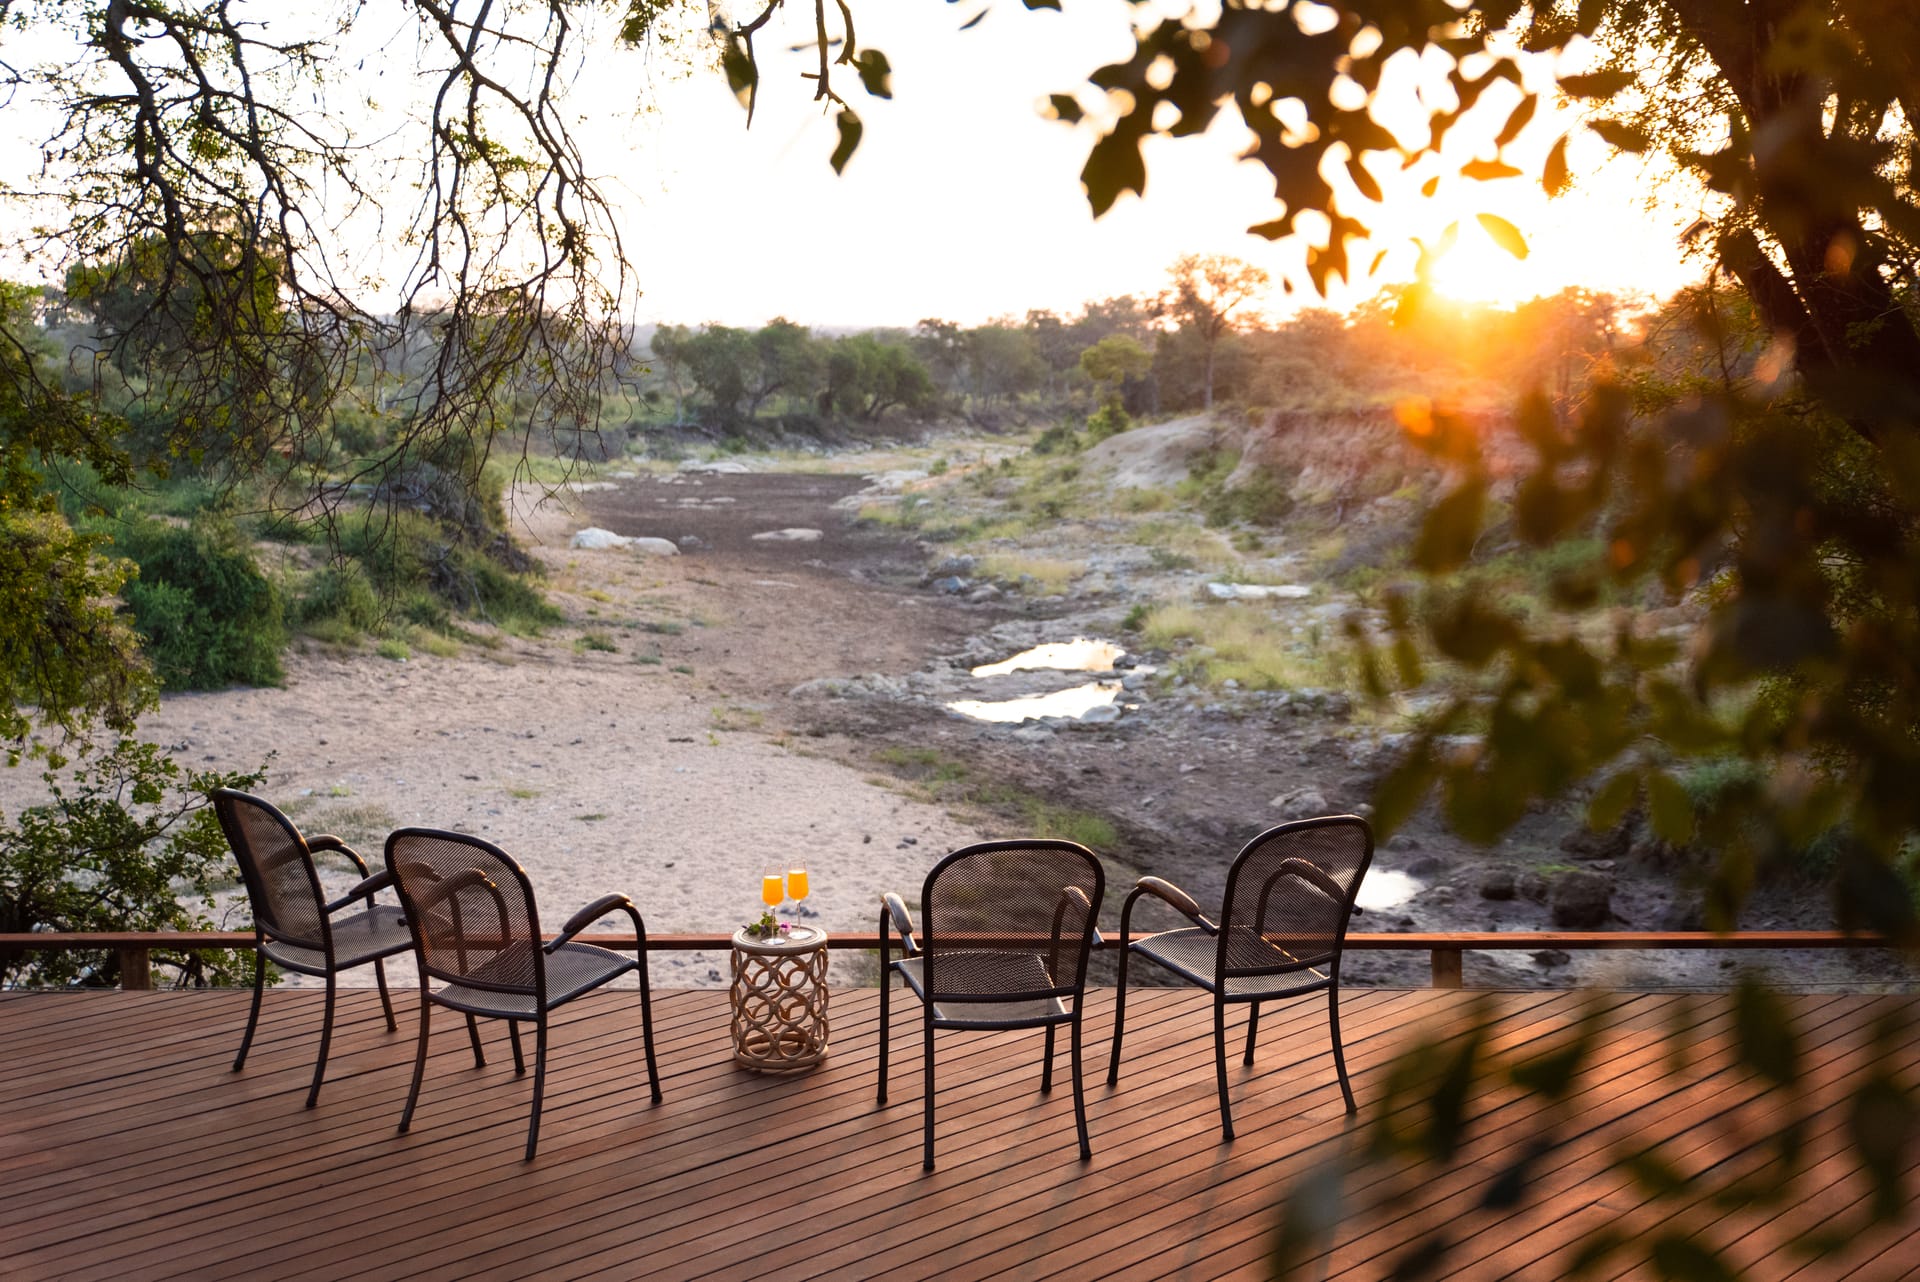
x=1508 y=1187
x=1596 y=1250
x=1670 y=808
x=1620 y=135
x=1595 y=84
x=1611 y=799
x=875 y=72
x=1067 y=107
x=1422 y=1258
x=850 y=129
x=1487 y=170
x=1404 y=787
x=1315 y=1205
x=742 y=75
x=1655 y=1175
x=1363 y=181
x=1043 y=4
x=1516 y=121
x=1684 y=1259
x=1764 y=1033
x=1113 y=167
x=1452 y=525
x=1553 y=174
x=1504 y=234
x=1882 y=1123
x=1430 y=186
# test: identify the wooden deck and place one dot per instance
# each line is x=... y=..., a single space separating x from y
x=129 y=1150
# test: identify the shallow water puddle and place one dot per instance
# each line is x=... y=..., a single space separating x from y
x=1082 y=654
x=1061 y=703
x=1385 y=889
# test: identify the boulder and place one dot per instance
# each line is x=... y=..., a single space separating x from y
x=792 y=535
x=595 y=539
x=1301 y=803
x=1497 y=883
x=1532 y=885
x=653 y=547
x=1258 y=591
x=1581 y=900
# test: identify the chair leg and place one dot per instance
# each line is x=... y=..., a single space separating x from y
x=926 y=1159
x=886 y=986
x=1046 y=1064
x=519 y=1064
x=1339 y=1055
x=473 y=1035
x=1220 y=1063
x=386 y=1002
x=1119 y=1019
x=253 y=1015
x=419 y=1062
x=1253 y=1029
x=1079 y=1094
x=326 y=1040
x=539 y=1083
x=646 y=1029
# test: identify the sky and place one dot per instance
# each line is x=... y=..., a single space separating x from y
x=964 y=203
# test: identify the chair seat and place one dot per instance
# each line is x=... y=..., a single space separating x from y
x=988 y=971
x=380 y=931
x=1194 y=955
x=573 y=969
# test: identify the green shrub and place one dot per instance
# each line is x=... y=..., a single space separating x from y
x=127 y=836
x=340 y=593
x=1108 y=420
x=207 y=616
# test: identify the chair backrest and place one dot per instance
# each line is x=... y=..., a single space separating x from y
x=986 y=905
x=1292 y=888
x=277 y=867
x=470 y=908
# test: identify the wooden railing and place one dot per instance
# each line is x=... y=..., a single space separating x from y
x=134 y=949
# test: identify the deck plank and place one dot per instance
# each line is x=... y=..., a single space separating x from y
x=129 y=1147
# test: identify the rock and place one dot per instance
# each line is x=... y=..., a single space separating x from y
x=1427 y=866
x=1033 y=733
x=725 y=467
x=1581 y=900
x=984 y=593
x=1302 y=803
x=960 y=566
x=1258 y=591
x=1584 y=843
x=1532 y=885
x=595 y=539
x=1135 y=681
x=1497 y=883
x=1548 y=958
x=653 y=547
x=1101 y=715
x=1403 y=841
x=953 y=585
x=691 y=541
x=792 y=535
x=1683 y=914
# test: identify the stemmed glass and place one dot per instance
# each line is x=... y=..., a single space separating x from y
x=797 y=887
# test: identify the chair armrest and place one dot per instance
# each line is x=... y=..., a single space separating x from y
x=896 y=909
x=1086 y=905
x=365 y=890
x=1165 y=890
x=1315 y=875
x=327 y=841
x=594 y=912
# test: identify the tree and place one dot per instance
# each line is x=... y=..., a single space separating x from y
x=784 y=360
x=866 y=377
x=1114 y=362
x=1203 y=292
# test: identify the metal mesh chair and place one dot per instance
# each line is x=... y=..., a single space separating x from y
x=475 y=930
x=1289 y=897
x=293 y=924
x=1007 y=926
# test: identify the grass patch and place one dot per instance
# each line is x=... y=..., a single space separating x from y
x=598 y=641
x=729 y=717
x=1035 y=575
x=1237 y=643
x=522 y=794
x=589 y=819
x=393 y=648
x=684 y=669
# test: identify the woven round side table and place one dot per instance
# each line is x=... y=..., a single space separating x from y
x=780 y=1000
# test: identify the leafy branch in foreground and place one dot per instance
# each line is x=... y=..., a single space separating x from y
x=128 y=841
